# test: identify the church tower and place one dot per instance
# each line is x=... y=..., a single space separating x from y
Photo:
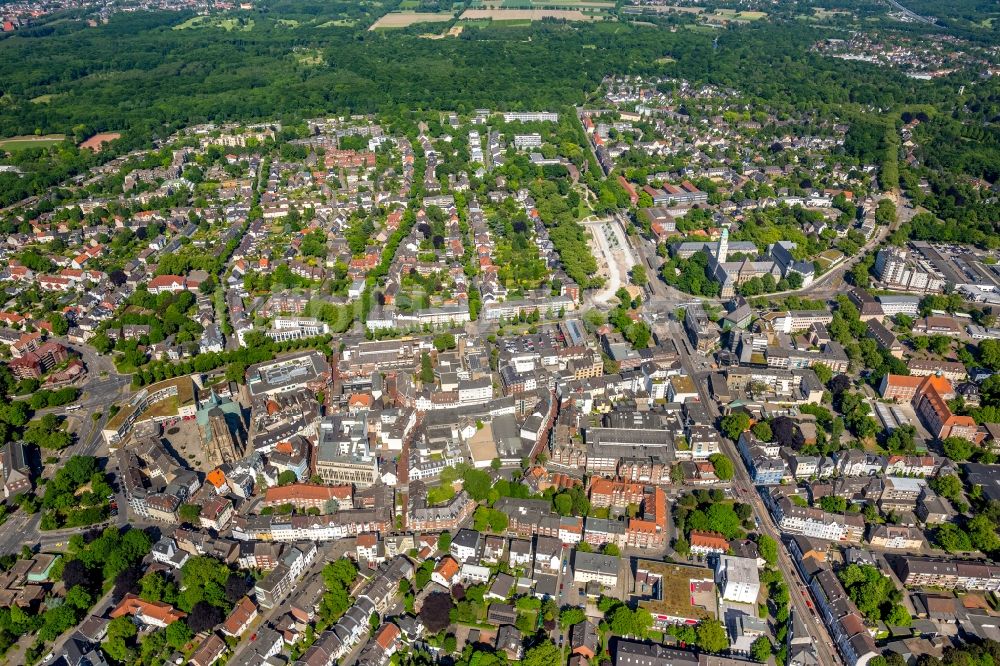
x=723 y=251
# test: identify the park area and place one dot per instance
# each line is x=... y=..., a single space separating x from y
x=226 y=23
x=25 y=142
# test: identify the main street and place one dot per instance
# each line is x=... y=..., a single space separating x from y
x=745 y=491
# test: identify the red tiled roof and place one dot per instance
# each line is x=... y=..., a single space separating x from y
x=133 y=605
x=238 y=619
x=306 y=491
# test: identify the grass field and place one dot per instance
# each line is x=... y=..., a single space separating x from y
x=22 y=142
x=733 y=15
x=821 y=13
x=583 y=5
x=338 y=23
x=527 y=14
x=227 y=24
x=406 y=19
x=309 y=57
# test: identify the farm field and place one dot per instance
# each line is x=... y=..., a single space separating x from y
x=406 y=19
x=662 y=9
x=22 y=142
x=527 y=14
x=540 y=4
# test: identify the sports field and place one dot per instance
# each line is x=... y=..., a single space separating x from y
x=22 y=142
x=97 y=141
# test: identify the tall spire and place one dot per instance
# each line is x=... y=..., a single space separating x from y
x=722 y=253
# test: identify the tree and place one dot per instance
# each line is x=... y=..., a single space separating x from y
x=287 y=477
x=422 y=576
x=947 y=485
x=734 y=424
x=722 y=518
x=126 y=581
x=787 y=433
x=839 y=384
x=611 y=549
x=426 y=369
x=712 y=636
x=236 y=587
x=178 y=635
x=477 y=483
x=638 y=276
x=436 y=612
x=762 y=431
x=543 y=654
x=79 y=598
x=760 y=649
x=898 y=616
x=444 y=541
x=949 y=537
x=189 y=513
x=571 y=615
x=563 y=503
x=682 y=547
x=627 y=622
x=723 y=466
x=768 y=549
x=75 y=572
x=59 y=324
x=833 y=504
x=204 y=616
x=957 y=448
x=444 y=342
x=982 y=533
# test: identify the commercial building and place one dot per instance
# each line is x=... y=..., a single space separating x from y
x=738 y=579
x=602 y=569
x=343 y=454
x=304 y=370
x=159 y=402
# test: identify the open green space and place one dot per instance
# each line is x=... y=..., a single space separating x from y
x=23 y=142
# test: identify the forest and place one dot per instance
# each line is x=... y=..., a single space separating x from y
x=111 y=78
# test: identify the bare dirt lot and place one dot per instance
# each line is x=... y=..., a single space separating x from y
x=98 y=140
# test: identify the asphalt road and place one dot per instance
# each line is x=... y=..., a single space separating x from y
x=695 y=366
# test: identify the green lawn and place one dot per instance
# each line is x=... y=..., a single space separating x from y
x=23 y=142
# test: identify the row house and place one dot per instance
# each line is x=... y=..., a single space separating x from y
x=813 y=522
x=842 y=619
x=947 y=574
x=271 y=589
